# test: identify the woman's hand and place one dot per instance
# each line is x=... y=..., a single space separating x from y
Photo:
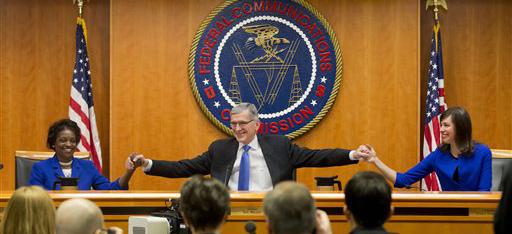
x=135 y=160
x=129 y=165
x=371 y=152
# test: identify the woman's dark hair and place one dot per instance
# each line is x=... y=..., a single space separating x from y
x=463 y=130
x=60 y=126
x=503 y=214
x=368 y=198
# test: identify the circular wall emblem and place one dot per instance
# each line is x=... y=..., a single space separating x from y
x=280 y=55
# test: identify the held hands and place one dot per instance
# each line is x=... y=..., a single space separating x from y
x=365 y=153
x=368 y=149
x=362 y=153
x=135 y=160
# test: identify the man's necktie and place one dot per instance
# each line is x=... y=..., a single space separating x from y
x=243 y=177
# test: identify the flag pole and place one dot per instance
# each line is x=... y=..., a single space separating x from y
x=435 y=4
x=80 y=4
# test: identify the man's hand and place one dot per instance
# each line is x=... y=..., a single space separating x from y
x=137 y=160
x=323 y=225
x=362 y=153
x=371 y=153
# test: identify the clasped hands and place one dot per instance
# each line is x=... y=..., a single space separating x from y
x=365 y=153
x=135 y=160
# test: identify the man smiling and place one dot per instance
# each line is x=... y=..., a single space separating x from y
x=248 y=161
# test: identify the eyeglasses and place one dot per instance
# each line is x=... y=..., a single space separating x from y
x=240 y=124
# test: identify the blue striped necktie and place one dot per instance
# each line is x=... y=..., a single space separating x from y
x=243 y=177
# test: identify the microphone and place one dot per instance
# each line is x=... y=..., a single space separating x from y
x=228 y=171
x=250 y=227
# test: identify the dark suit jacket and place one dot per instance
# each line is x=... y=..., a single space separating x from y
x=360 y=230
x=45 y=173
x=281 y=156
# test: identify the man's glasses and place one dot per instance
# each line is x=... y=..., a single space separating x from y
x=240 y=124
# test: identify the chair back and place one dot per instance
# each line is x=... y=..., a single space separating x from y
x=26 y=159
x=500 y=159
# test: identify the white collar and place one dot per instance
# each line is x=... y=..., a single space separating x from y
x=253 y=144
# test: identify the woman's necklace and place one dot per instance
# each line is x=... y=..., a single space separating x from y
x=66 y=164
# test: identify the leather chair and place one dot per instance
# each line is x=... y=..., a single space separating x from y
x=26 y=159
x=500 y=159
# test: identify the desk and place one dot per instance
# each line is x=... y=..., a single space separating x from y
x=415 y=212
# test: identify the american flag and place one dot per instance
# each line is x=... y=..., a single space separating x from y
x=435 y=105
x=81 y=105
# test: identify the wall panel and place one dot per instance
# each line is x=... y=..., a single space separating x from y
x=143 y=100
x=37 y=52
x=477 y=57
x=153 y=110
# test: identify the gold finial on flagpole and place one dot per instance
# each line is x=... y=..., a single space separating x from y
x=436 y=3
x=80 y=4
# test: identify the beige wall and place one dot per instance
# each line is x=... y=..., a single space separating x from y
x=139 y=52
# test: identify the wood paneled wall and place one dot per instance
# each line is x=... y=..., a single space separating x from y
x=139 y=52
x=153 y=110
x=477 y=53
x=37 y=53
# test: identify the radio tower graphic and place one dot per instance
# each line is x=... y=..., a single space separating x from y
x=270 y=64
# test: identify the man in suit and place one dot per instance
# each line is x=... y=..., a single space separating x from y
x=247 y=161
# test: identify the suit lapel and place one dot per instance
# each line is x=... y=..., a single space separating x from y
x=231 y=151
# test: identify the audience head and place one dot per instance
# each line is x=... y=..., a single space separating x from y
x=290 y=209
x=244 y=122
x=368 y=199
x=29 y=210
x=78 y=216
x=456 y=128
x=503 y=215
x=63 y=138
x=204 y=204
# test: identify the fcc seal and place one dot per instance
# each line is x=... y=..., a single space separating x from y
x=280 y=55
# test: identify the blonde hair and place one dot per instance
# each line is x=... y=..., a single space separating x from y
x=29 y=210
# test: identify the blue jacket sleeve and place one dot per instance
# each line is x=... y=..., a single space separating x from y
x=486 y=172
x=101 y=182
x=423 y=168
x=37 y=176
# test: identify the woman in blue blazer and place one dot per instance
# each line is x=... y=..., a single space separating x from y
x=459 y=163
x=63 y=138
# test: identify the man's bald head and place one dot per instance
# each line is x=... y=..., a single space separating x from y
x=78 y=216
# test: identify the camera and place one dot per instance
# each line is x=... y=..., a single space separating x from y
x=173 y=216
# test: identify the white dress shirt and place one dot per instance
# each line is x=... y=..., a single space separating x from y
x=259 y=176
